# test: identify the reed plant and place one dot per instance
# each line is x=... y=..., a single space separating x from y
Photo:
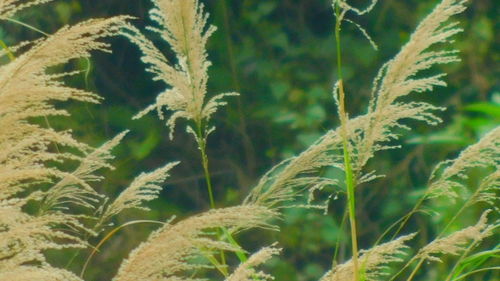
x=48 y=178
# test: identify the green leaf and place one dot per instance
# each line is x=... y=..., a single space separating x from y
x=487 y=108
x=141 y=150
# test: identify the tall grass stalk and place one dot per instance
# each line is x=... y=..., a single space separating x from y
x=349 y=176
x=202 y=143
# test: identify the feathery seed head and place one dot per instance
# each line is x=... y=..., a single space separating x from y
x=456 y=242
x=144 y=187
x=247 y=272
x=169 y=252
x=372 y=261
x=183 y=25
x=485 y=153
x=27 y=160
x=9 y=7
x=397 y=78
x=39 y=273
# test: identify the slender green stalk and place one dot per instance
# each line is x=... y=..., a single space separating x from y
x=415 y=270
x=400 y=221
x=338 y=21
x=108 y=236
x=462 y=256
x=407 y=217
x=349 y=176
x=240 y=254
x=337 y=243
x=204 y=161
x=402 y=269
x=27 y=26
x=476 y=271
x=350 y=184
x=7 y=50
x=220 y=267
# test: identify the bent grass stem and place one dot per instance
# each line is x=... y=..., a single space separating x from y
x=108 y=236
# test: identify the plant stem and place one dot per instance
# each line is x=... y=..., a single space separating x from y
x=337 y=243
x=462 y=256
x=204 y=161
x=338 y=21
x=476 y=271
x=351 y=198
x=349 y=176
x=415 y=270
x=7 y=50
x=108 y=236
x=27 y=26
x=408 y=216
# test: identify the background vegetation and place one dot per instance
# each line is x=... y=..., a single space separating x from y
x=280 y=55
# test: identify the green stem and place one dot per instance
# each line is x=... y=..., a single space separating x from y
x=337 y=39
x=204 y=158
x=337 y=243
x=349 y=176
x=414 y=272
x=464 y=254
x=457 y=214
x=7 y=50
x=204 y=162
x=476 y=271
x=407 y=217
x=402 y=269
x=27 y=26
x=240 y=254
x=108 y=236
x=352 y=208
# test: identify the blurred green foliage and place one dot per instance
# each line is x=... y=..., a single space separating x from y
x=280 y=56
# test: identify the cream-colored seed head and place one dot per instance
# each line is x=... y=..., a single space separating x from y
x=75 y=187
x=169 y=252
x=27 y=169
x=483 y=154
x=247 y=272
x=43 y=273
x=144 y=187
x=456 y=242
x=183 y=25
x=9 y=7
x=371 y=261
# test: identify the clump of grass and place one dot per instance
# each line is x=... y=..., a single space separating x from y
x=30 y=157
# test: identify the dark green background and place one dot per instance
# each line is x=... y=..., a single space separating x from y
x=280 y=55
